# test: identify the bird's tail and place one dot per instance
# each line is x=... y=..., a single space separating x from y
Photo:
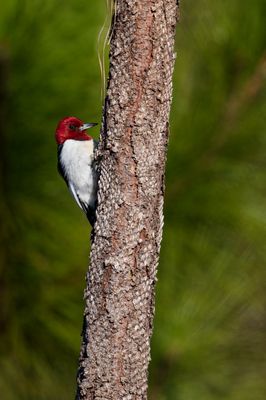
x=91 y=215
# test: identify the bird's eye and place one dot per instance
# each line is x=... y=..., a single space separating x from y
x=72 y=127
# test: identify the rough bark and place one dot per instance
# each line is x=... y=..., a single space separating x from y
x=126 y=240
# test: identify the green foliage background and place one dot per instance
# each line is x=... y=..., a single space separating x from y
x=209 y=338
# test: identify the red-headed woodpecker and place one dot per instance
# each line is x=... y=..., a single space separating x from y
x=76 y=162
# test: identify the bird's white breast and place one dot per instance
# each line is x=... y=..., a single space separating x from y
x=76 y=158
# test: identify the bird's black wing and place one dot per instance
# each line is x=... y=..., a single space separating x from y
x=59 y=164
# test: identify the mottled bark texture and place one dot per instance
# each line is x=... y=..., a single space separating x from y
x=126 y=240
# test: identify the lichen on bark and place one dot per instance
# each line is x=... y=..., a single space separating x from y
x=119 y=296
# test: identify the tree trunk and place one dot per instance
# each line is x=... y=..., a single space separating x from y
x=126 y=240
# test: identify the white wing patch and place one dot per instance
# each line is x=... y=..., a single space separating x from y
x=76 y=159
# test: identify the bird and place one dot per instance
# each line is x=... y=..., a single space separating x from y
x=76 y=164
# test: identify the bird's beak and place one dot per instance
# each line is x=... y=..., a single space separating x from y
x=87 y=126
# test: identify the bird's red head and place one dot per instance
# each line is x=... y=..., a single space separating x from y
x=72 y=128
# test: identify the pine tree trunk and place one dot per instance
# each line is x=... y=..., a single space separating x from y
x=126 y=240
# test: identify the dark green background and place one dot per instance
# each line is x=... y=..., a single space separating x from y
x=209 y=337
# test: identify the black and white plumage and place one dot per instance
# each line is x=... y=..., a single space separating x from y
x=76 y=163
